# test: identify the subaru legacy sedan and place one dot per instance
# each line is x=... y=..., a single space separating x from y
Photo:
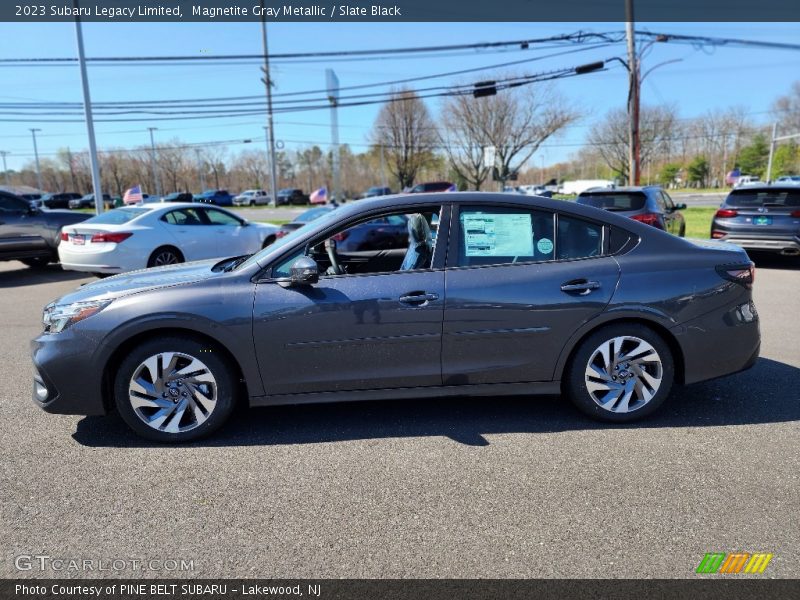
x=514 y=295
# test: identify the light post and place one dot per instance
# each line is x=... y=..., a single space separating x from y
x=36 y=155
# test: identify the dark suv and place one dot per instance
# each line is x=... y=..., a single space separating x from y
x=29 y=234
x=761 y=217
x=291 y=196
x=649 y=204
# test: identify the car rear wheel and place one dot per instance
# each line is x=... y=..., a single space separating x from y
x=166 y=255
x=620 y=373
x=174 y=389
x=252 y=202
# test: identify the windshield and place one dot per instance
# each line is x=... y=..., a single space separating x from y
x=288 y=239
x=755 y=198
x=118 y=216
x=614 y=201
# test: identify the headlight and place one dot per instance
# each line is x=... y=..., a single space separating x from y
x=57 y=317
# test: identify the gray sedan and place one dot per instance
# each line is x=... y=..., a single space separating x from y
x=514 y=295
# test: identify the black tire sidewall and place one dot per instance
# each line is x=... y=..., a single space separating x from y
x=208 y=354
x=575 y=384
x=161 y=250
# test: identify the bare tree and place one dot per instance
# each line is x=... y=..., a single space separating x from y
x=786 y=110
x=405 y=129
x=253 y=167
x=514 y=122
x=657 y=126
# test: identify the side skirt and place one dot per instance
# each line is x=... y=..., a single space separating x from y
x=538 y=388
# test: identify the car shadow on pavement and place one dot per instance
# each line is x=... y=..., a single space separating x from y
x=34 y=276
x=761 y=395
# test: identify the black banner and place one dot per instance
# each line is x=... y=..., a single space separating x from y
x=396 y=10
x=715 y=587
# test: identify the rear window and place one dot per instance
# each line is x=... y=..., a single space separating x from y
x=755 y=198
x=118 y=216
x=615 y=201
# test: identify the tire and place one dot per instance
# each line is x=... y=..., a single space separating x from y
x=648 y=381
x=269 y=241
x=252 y=202
x=38 y=262
x=165 y=255
x=683 y=231
x=174 y=409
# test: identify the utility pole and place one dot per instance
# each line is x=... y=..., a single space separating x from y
x=5 y=168
x=87 y=109
x=333 y=97
x=153 y=161
x=200 y=170
x=633 y=97
x=383 y=168
x=36 y=154
x=273 y=171
x=773 y=143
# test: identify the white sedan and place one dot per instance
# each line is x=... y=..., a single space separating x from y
x=152 y=235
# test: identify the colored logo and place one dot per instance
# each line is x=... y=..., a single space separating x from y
x=735 y=562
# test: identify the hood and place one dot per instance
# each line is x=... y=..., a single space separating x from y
x=134 y=282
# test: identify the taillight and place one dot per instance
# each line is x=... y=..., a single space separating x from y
x=341 y=236
x=113 y=238
x=726 y=213
x=744 y=274
x=796 y=213
x=280 y=233
x=649 y=219
x=717 y=234
x=64 y=236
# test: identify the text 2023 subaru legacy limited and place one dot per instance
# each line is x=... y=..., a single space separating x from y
x=509 y=295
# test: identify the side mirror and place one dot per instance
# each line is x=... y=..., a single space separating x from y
x=681 y=206
x=304 y=271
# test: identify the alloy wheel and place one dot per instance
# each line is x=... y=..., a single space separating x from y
x=172 y=392
x=166 y=257
x=623 y=374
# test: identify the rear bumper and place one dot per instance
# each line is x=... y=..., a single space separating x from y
x=719 y=343
x=784 y=244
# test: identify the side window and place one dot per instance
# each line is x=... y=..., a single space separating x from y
x=661 y=202
x=217 y=217
x=667 y=202
x=578 y=238
x=497 y=235
x=282 y=269
x=183 y=216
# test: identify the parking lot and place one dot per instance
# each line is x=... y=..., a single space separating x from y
x=437 y=488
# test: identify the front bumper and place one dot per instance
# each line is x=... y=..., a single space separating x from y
x=67 y=378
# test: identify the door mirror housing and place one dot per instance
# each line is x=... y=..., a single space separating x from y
x=304 y=271
x=681 y=206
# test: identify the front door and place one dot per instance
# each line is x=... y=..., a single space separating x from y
x=350 y=332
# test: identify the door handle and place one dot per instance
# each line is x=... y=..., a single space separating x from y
x=418 y=298
x=580 y=286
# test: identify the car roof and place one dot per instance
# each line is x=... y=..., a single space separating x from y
x=625 y=188
x=766 y=187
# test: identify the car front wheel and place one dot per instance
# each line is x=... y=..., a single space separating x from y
x=174 y=389
x=620 y=373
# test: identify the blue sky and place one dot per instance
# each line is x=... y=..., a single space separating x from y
x=704 y=79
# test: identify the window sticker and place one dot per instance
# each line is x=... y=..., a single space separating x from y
x=487 y=234
x=544 y=246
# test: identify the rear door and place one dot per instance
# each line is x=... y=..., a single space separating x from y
x=19 y=232
x=186 y=229
x=516 y=291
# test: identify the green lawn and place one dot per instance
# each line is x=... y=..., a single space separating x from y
x=698 y=221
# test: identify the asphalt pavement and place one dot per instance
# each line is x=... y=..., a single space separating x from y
x=522 y=487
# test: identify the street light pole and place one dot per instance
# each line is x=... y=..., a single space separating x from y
x=36 y=154
x=87 y=109
x=153 y=161
x=273 y=171
x=200 y=170
x=633 y=97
